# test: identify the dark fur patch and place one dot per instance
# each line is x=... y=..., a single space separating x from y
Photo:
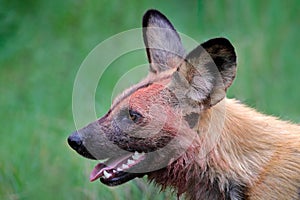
x=192 y=119
x=235 y=192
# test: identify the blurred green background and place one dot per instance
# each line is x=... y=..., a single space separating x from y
x=42 y=44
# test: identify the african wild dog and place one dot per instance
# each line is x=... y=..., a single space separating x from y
x=177 y=127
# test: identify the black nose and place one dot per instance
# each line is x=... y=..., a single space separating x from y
x=76 y=143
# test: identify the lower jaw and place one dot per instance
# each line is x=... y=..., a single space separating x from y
x=125 y=177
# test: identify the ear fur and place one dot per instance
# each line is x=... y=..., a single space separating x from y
x=223 y=54
x=163 y=44
x=207 y=72
x=203 y=77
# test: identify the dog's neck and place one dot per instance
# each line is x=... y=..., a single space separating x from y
x=226 y=157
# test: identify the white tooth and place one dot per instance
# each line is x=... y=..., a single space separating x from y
x=124 y=166
x=119 y=169
x=106 y=174
x=130 y=162
x=136 y=155
x=114 y=171
x=143 y=153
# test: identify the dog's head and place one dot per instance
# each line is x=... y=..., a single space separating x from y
x=152 y=123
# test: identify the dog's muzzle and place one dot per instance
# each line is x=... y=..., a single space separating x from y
x=76 y=143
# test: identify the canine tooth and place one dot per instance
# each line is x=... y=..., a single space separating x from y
x=119 y=169
x=124 y=166
x=106 y=174
x=130 y=162
x=114 y=171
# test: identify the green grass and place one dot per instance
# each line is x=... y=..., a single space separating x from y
x=42 y=44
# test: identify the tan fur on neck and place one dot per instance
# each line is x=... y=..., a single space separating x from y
x=254 y=150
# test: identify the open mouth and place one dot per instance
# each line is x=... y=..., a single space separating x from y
x=115 y=170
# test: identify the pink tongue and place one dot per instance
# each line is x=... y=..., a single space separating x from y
x=98 y=171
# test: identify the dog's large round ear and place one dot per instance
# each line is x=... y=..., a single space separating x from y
x=163 y=44
x=223 y=55
x=207 y=72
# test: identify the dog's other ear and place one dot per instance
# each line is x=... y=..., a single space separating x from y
x=223 y=54
x=207 y=72
x=163 y=44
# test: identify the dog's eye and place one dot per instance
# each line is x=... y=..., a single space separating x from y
x=134 y=116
